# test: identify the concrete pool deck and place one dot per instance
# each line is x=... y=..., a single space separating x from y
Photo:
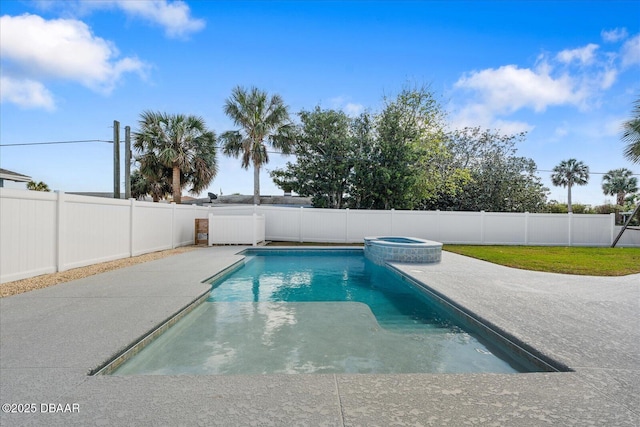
x=50 y=339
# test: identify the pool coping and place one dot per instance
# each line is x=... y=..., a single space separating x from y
x=106 y=311
x=484 y=327
x=114 y=362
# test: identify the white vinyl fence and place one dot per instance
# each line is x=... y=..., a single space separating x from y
x=236 y=229
x=474 y=228
x=48 y=232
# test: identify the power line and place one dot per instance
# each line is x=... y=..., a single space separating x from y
x=55 y=142
x=218 y=146
x=590 y=173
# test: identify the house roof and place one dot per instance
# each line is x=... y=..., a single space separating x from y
x=13 y=176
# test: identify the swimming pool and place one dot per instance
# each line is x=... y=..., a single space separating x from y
x=318 y=311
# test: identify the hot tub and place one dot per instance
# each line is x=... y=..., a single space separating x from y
x=402 y=249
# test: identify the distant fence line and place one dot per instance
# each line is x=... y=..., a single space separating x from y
x=476 y=228
x=47 y=232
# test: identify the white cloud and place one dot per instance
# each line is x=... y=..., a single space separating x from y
x=472 y=115
x=25 y=93
x=174 y=17
x=36 y=50
x=349 y=108
x=631 y=52
x=352 y=109
x=561 y=131
x=509 y=88
x=584 y=55
x=337 y=102
x=481 y=115
x=608 y=78
x=614 y=35
x=511 y=127
x=572 y=77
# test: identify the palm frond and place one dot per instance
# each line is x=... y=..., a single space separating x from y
x=231 y=142
x=631 y=134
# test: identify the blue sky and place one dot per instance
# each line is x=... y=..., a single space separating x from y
x=567 y=72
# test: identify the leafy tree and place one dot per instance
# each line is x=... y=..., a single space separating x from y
x=631 y=134
x=374 y=161
x=555 y=207
x=262 y=120
x=394 y=159
x=398 y=151
x=569 y=173
x=324 y=159
x=37 y=186
x=580 y=208
x=181 y=143
x=492 y=177
x=364 y=169
x=606 y=209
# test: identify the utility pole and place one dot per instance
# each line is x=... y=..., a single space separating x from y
x=127 y=162
x=116 y=159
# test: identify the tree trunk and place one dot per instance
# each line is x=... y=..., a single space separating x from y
x=569 y=209
x=256 y=184
x=175 y=181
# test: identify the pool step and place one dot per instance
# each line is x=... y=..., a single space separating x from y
x=400 y=322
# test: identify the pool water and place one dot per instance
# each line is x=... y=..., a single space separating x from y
x=321 y=312
x=342 y=276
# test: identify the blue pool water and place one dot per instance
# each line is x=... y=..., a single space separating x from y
x=398 y=240
x=317 y=312
x=340 y=276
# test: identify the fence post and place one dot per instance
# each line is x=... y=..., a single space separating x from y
x=482 y=227
x=391 y=221
x=570 y=219
x=132 y=208
x=210 y=229
x=612 y=222
x=193 y=221
x=60 y=232
x=346 y=225
x=254 y=221
x=173 y=225
x=300 y=225
x=526 y=228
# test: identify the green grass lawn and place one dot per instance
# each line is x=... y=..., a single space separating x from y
x=567 y=260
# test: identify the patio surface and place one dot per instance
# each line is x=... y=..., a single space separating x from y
x=51 y=338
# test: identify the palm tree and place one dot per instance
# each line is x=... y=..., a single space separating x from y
x=261 y=120
x=619 y=183
x=631 y=134
x=180 y=143
x=569 y=173
x=37 y=186
x=154 y=181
